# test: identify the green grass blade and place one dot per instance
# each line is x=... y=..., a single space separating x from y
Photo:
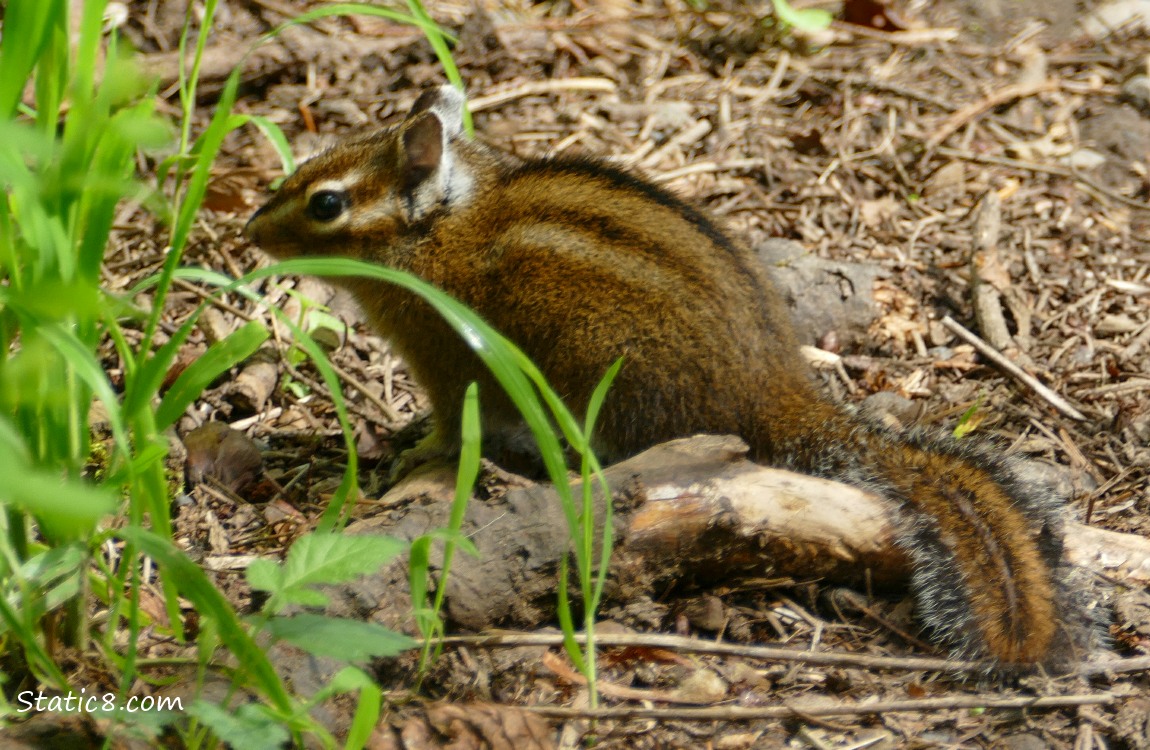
x=470 y=454
x=218 y=359
x=66 y=509
x=367 y=710
x=28 y=26
x=438 y=42
x=276 y=137
x=84 y=363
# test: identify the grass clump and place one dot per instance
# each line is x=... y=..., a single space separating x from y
x=76 y=114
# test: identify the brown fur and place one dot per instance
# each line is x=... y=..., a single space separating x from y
x=579 y=264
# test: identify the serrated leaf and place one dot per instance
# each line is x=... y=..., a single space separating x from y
x=248 y=727
x=339 y=638
x=263 y=575
x=333 y=558
x=301 y=596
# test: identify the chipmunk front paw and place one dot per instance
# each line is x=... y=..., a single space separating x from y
x=435 y=446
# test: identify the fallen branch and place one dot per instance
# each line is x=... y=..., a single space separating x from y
x=690 y=645
x=690 y=511
x=797 y=710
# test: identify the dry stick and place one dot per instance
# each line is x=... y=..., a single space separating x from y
x=535 y=88
x=971 y=111
x=957 y=153
x=701 y=167
x=384 y=407
x=743 y=713
x=985 y=263
x=1121 y=666
x=215 y=301
x=1012 y=369
x=875 y=84
x=694 y=645
x=909 y=37
x=771 y=653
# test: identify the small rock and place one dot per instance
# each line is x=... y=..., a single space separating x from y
x=1023 y=742
x=1104 y=20
x=1136 y=91
x=1083 y=158
x=890 y=410
x=822 y=295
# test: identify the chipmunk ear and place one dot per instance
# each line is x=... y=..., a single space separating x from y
x=423 y=145
x=431 y=174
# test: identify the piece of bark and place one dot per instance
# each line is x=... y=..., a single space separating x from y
x=1122 y=557
x=822 y=295
x=249 y=392
x=988 y=275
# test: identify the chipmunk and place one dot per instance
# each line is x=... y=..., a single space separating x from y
x=580 y=263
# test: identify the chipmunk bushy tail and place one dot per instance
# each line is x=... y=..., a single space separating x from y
x=984 y=541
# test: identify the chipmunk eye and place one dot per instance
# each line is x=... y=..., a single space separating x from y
x=326 y=205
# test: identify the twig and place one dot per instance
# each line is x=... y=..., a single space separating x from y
x=743 y=713
x=971 y=111
x=1122 y=666
x=701 y=167
x=909 y=37
x=679 y=142
x=771 y=653
x=535 y=88
x=957 y=153
x=1012 y=369
x=384 y=407
x=211 y=298
x=876 y=84
x=694 y=645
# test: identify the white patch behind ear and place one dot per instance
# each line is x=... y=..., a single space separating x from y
x=448 y=106
x=452 y=182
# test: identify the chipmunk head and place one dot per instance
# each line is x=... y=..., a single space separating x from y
x=359 y=197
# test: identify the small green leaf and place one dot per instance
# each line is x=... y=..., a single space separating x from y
x=807 y=19
x=969 y=421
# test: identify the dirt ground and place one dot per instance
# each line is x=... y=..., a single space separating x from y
x=863 y=145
